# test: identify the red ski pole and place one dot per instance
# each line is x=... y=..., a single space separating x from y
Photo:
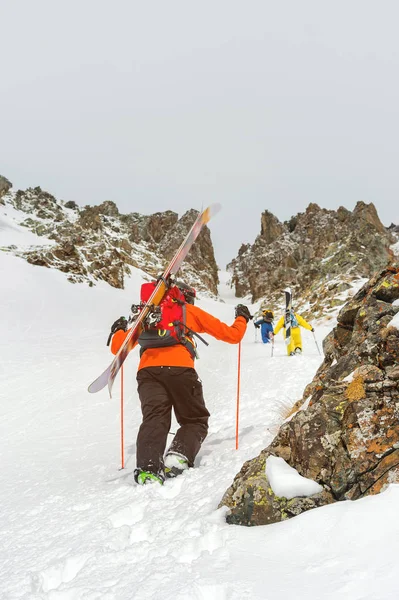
x=238 y=392
x=122 y=428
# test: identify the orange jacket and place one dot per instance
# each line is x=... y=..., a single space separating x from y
x=177 y=356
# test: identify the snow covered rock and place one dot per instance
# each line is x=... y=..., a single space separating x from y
x=318 y=253
x=347 y=439
x=286 y=481
x=253 y=501
x=99 y=243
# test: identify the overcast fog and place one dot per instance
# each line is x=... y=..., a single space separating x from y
x=176 y=104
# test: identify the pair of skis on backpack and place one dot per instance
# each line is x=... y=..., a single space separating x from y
x=159 y=292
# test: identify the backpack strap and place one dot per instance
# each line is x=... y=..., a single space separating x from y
x=192 y=332
x=187 y=340
x=185 y=328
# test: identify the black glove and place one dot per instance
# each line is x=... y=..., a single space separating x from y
x=312 y=330
x=257 y=326
x=120 y=323
x=242 y=311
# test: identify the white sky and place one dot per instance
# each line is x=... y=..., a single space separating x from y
x=171 y=105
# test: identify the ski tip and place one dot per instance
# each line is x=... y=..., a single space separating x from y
x=211 y=211
x=99 y=385
x=94 y=387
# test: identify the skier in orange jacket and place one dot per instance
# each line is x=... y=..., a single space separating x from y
x=167 y=379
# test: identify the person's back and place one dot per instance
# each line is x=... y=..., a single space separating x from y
x=167 y=379
x=177 y=356
x=265 y=323
x=295 y=345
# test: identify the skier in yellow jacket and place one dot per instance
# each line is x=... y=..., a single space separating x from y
x=295 y=346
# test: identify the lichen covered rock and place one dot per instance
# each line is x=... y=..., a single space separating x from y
x=253 y=502
x=347 y=437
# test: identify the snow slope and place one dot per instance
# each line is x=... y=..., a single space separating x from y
x=74 y=525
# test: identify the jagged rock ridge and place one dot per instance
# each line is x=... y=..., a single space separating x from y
x=345 y=433
x=99 y=243
x=5 y=187
x=317 y=253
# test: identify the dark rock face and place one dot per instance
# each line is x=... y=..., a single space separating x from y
x=271 y=228
x=98 y=243
x=347 y=439
x=308 y=252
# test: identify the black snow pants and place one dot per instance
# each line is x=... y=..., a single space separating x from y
x=161 y=389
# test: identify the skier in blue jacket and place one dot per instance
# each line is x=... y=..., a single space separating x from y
x=265 y=323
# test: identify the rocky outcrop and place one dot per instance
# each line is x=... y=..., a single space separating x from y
x=98 y=243
x=5 y=187
x=312 y=253
x=201 y=258
x=344 y=433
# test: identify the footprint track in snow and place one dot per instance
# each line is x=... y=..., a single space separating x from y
x=59 y=572
x=127 y=515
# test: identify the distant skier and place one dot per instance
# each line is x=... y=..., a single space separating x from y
x=295 y=346
x=167 y=379
x=265 y=323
